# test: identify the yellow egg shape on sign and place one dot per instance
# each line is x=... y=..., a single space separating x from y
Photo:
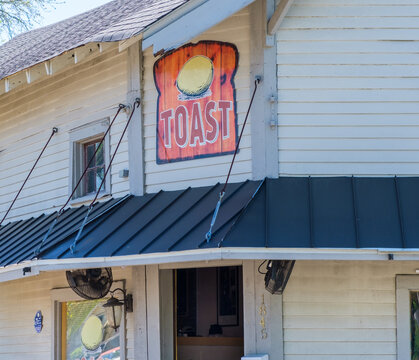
x=92 y=333
x=196 y=76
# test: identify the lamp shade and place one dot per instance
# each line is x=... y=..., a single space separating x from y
x=113 y=310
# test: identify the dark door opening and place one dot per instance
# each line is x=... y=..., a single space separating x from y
x=209 y=313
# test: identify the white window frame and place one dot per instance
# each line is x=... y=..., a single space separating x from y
x=404 y=285
x=78 y=137
x=61 y=295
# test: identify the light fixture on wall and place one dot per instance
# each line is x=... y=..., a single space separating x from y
x=113 y=308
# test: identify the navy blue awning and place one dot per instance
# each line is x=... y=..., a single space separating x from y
x=288 y=212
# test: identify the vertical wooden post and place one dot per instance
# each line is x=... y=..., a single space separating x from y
x=167 y=335
x=263 y=345
x=63 y=330
x=249 y=307
x=253 y=294
x=135 y=131
x=264 y=111
x=277 y=328
x=153 y=312
x=140 y=312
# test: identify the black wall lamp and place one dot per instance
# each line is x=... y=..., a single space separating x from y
x=113 y=308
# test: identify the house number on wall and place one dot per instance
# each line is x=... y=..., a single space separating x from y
x=262 y=313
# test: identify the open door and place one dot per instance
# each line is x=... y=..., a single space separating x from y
x=208 y=313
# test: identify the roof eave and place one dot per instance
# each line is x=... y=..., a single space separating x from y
x=35 y=267
x=188 y=21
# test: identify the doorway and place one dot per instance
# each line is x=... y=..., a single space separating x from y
x=208 y=316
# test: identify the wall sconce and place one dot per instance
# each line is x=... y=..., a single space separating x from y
x=113 y=308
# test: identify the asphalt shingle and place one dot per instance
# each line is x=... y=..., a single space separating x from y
x=114 y=21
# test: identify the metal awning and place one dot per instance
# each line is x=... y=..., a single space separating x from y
x=289 y=212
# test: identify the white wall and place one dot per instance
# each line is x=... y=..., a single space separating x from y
x=344 y=310
x=19 y=302
x=331 y=309
x=82 y=94
x=208 y=171
x=348 y=88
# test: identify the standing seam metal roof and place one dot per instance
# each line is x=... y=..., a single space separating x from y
x=288 y=212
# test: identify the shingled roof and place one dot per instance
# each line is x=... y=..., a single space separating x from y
x=114 y=21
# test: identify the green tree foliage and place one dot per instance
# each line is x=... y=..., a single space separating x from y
x=20 y=15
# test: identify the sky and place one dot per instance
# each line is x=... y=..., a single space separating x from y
x=66 y=9
x=60 y=11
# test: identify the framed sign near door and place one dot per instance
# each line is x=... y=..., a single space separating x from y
x=228 y=296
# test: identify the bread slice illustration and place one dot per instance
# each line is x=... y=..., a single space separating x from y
x=196 y=76
x=92 y=333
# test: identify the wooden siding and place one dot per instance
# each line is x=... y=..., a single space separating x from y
x=82 y=94
x=21 y=299
x=342 y=309
x=348 y=88
x=208 y=171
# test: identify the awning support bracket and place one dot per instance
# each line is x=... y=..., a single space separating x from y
x=54 y=131
x=208 y=235
x=60 y=212
x=136 y=104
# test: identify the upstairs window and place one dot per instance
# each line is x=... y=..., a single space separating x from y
x=84 y=141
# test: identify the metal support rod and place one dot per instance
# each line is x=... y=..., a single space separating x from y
x=208 y=235
x=38 y=249
x=134 y=107
x=74 y=244
x=54 y=131
x=120 y=107
x=257 y=81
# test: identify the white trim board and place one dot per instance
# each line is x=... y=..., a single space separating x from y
x=184 y=28
x=135 y=130
x=280 y=12
x=404 y=285
x=14 y=272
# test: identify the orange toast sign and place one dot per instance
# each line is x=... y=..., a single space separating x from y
x=196 y=106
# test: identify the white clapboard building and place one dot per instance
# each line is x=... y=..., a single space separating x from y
x=207 y=179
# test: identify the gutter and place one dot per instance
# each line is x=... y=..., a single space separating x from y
x=35 y=267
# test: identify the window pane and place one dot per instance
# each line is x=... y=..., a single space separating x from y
x=90 y=150
x=88 y=335
x=90 y=181
x=227 y=288
x=99 y=156
x=96 y=170
x=99 y=177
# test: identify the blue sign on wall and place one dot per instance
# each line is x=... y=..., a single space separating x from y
x=38 y=321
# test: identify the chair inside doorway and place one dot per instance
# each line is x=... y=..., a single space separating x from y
x=209 y=313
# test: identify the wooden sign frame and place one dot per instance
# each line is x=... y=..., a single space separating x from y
x=196 y=105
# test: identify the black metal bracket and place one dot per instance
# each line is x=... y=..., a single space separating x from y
x=128 y=300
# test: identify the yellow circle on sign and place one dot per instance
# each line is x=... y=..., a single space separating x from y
x=196 y=76
x=92 y=334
